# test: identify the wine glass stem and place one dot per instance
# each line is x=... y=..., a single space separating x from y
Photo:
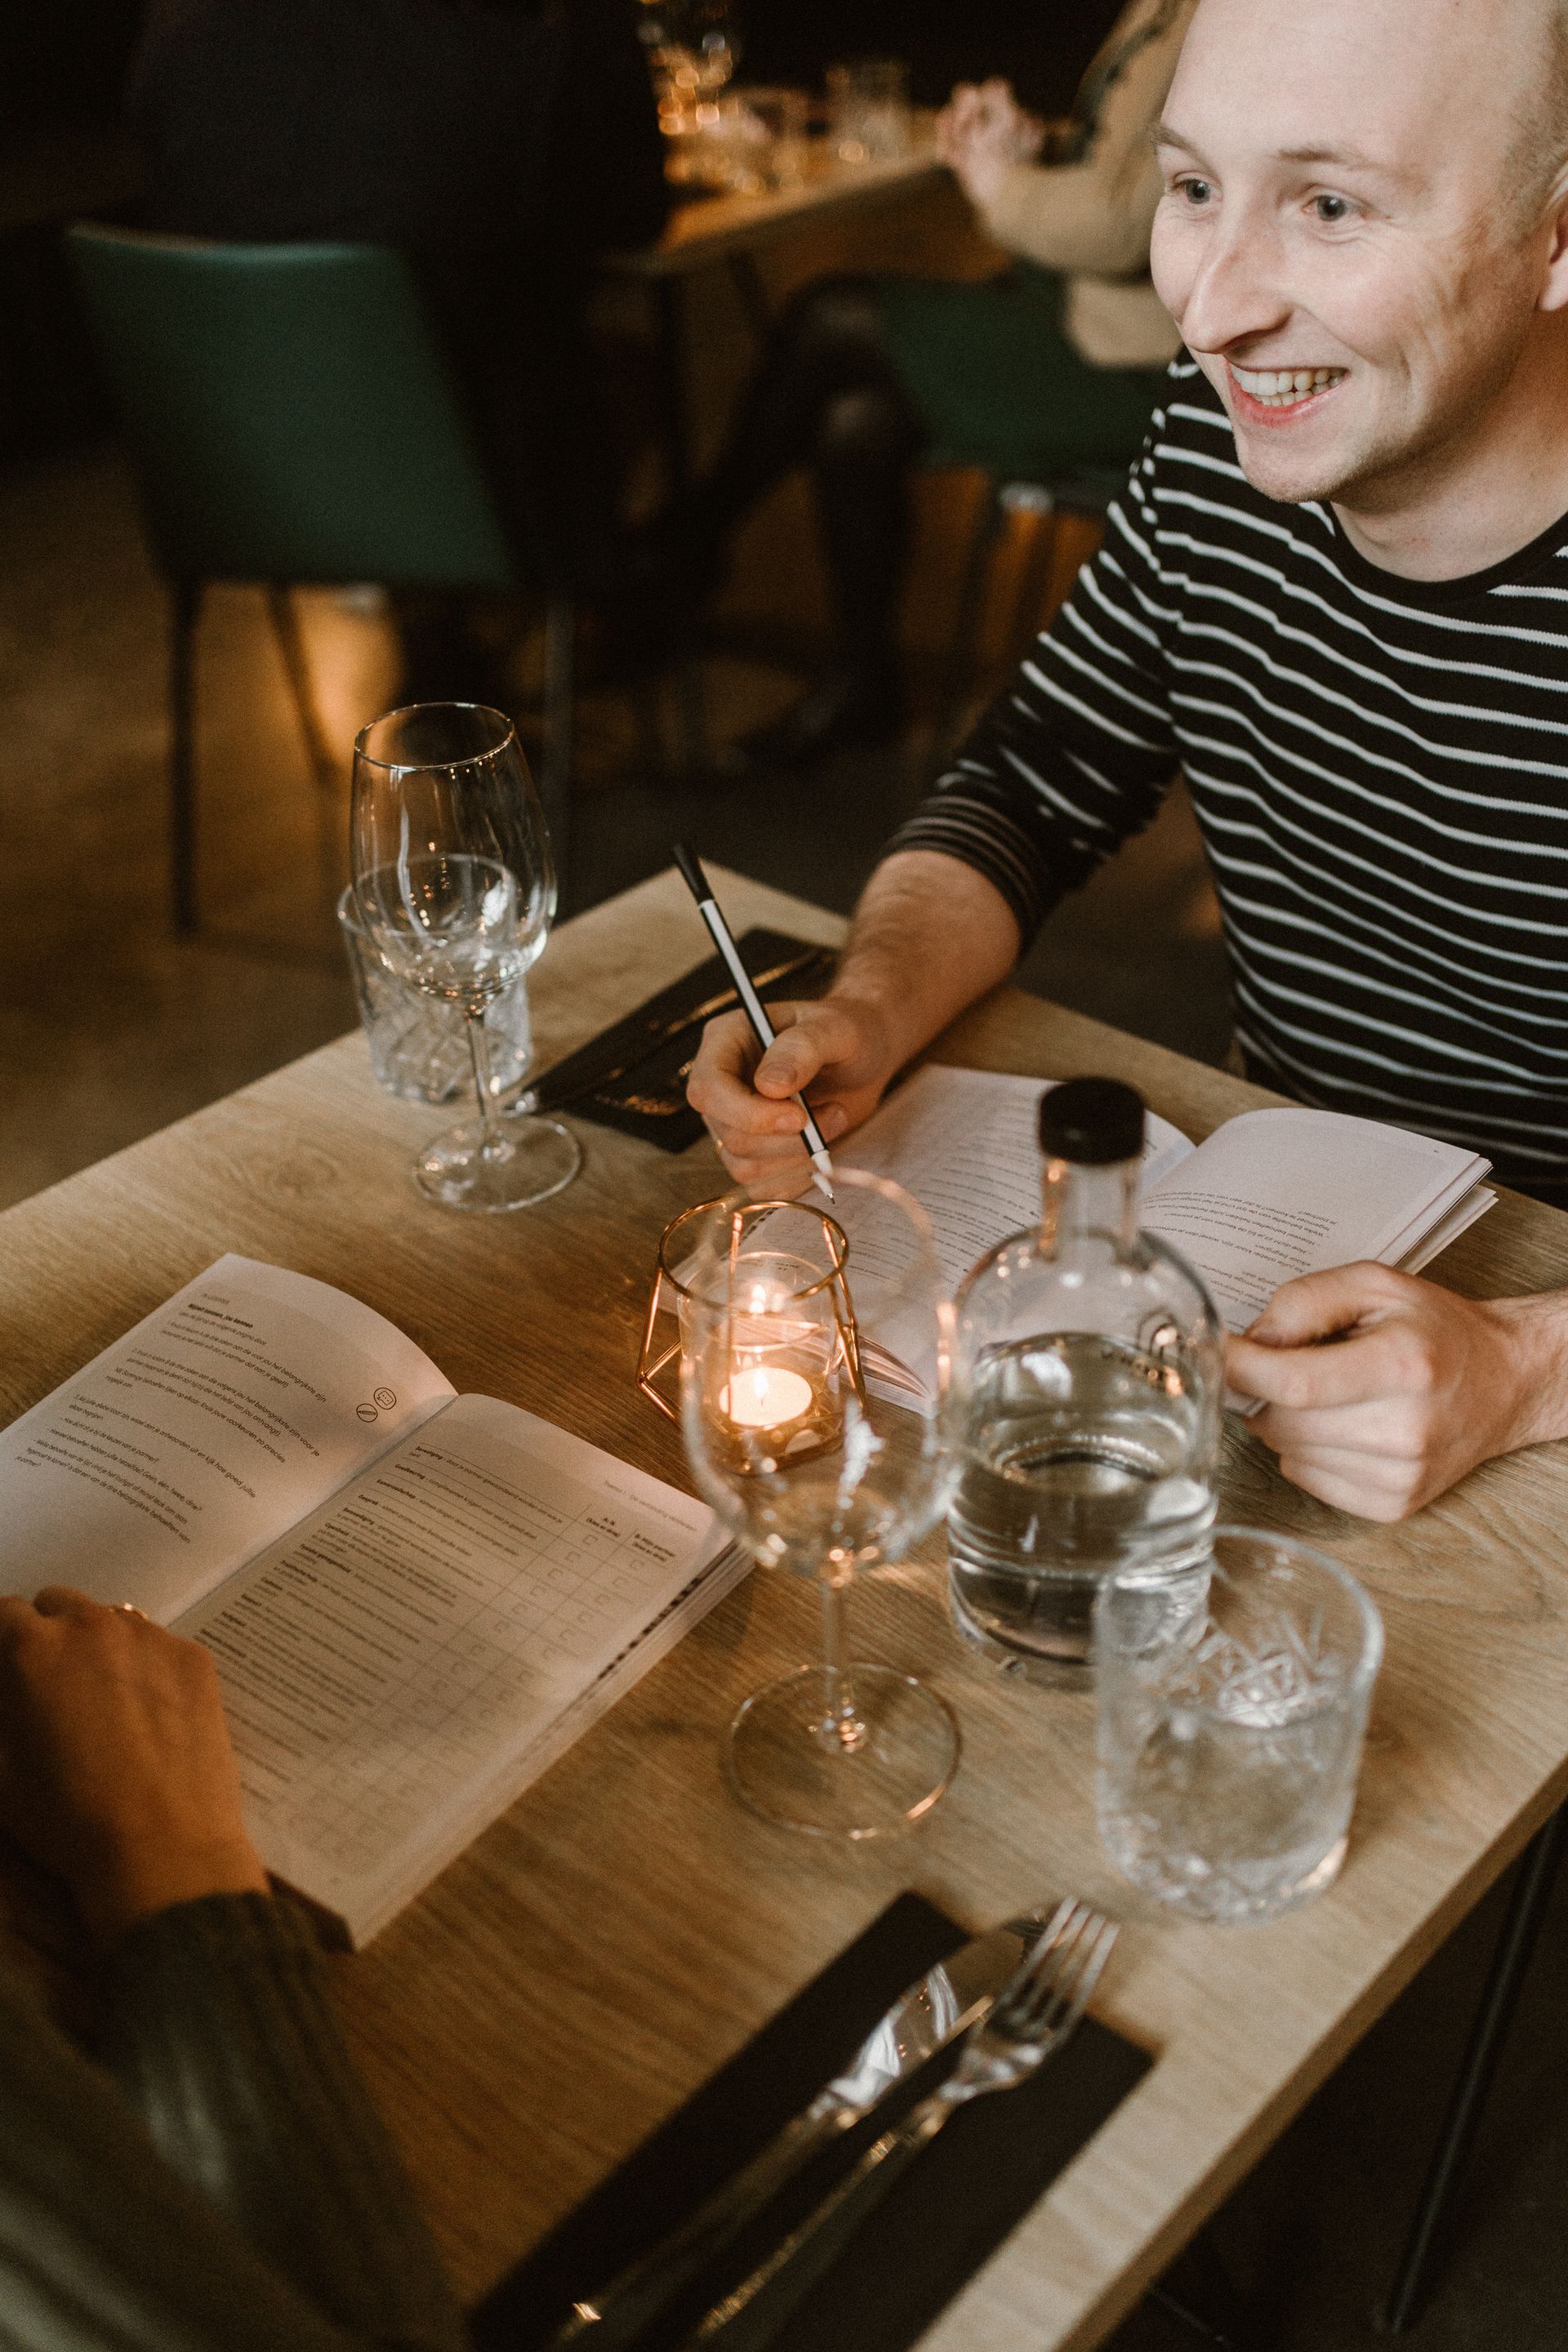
x=480 y=1051
x=842 y=1726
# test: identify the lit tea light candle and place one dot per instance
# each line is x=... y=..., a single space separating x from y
x=765 y=1398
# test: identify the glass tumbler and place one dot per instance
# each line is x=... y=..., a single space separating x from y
x=868 y=110
x=1232 y=1708
x=418 y=1047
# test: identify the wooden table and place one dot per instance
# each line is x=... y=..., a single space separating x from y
x=626 y=1926
x=731 y=229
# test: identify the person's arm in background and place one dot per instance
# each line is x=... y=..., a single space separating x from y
x=1092 y=217
x=237 y=2193
x=1074 y=756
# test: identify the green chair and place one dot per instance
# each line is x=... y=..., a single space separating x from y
x=291 y=419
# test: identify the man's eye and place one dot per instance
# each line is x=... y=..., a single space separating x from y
x=1332 y=209
x=1196 y=192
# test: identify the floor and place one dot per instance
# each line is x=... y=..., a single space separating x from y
x=108 y=1030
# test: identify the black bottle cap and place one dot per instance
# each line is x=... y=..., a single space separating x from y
x=1095 y=1121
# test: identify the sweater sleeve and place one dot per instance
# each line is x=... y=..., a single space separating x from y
x=1077 y=752
x=107 y=2246
x=218 y=2027
x=1092 y=217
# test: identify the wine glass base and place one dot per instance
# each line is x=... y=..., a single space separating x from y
x=535 y=1157
x=785 y=1764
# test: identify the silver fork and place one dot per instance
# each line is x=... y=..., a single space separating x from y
x=1032 y=2017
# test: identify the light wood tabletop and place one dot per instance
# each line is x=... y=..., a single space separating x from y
x=705 y=229
x=623 y=1928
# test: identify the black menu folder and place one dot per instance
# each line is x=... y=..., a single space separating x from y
x=632 y=1076
x=932 y=2230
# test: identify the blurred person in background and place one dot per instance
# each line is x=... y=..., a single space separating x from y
x=500 y=145
x=218 y=2180
x=1054 y=365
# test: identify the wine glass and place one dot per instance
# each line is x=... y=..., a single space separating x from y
x=455 y=886
x=815 y=1355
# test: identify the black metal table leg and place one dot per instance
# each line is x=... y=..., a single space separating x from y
x=1534 y=1882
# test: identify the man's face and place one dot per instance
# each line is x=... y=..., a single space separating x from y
x=1339 y=239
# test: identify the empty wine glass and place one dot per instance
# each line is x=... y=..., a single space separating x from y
x=455 y=886
x=815 y=1356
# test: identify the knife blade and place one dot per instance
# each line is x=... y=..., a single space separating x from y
x=942 y=2002
x=543 y=1097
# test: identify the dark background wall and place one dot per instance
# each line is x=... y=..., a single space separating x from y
x=68 y=59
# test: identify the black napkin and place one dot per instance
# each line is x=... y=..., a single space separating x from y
x=933 y=2228
x=648 y=1095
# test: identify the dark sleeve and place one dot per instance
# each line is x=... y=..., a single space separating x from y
x=217 y=2028
x=106 y=2246
x=606 y=152
x=1077 y=752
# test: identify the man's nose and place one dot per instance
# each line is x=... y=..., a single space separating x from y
x=1237 y=288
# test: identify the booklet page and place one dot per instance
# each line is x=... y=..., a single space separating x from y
x=387 y=1657
x=222 y=1418
x=1276 y=1193
x=966 y=1144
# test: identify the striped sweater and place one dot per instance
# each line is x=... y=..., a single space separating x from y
x=1379 y=766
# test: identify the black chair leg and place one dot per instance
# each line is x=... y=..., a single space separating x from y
x=959 y=668
x=560 y=712
x=1534 y=1882
x=185 y=603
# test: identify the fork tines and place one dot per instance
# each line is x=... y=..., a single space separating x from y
x=1053 y=1987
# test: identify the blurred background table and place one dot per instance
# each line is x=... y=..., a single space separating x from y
x=625 y=1926
x=727 y=230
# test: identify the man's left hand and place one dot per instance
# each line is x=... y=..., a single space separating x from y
x=1418 y=1388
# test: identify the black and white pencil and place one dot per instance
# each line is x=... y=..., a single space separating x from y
x=708 y=906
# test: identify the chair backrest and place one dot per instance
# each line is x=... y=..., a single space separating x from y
x=289 y=414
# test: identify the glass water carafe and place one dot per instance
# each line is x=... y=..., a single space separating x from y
x=1089 y=1373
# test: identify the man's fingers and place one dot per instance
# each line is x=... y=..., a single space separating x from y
x=64 y=1601
x=1314 y=1305
x=1312 y=1378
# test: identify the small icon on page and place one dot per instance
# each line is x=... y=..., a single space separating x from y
x=385 y=1398
x=366 y=1411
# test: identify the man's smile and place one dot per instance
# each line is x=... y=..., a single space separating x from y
x=1270 y=395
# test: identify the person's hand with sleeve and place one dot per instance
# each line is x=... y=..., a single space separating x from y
x=116 y=1771
x=930 y=934
x=980 y=134
x=1381 y=1390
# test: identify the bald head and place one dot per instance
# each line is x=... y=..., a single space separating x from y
x=1363 y=203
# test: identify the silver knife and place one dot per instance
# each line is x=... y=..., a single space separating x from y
x=938 y=2006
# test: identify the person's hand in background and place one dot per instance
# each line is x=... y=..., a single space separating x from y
x=980 y=134
x=116 y=1770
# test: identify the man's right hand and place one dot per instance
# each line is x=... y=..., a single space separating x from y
x=837 y=1053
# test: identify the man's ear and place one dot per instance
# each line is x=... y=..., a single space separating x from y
x=1553 y=295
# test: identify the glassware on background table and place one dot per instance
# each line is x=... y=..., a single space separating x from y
x=791 y=1438
x=454 y=883
x=419 y=1047
x=869 y=115
x=693 y=50
x=781 y=117
x=1231 y=1719
x=1088 y=1380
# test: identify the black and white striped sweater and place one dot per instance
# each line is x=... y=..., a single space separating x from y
x=1379 y=766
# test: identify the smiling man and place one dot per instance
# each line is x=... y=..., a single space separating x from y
x=1336 y=596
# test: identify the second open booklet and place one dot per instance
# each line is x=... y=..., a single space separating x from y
x=1269 y=1195
x=416 y=1600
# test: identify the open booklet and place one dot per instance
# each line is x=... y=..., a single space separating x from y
x=416 y=1600
x=1269 y=1195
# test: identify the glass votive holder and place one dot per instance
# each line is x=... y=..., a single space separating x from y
x=1233 y=1701
x=869 y=115
x=419 y=1047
